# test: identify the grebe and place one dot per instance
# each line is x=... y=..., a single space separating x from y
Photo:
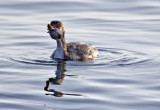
x=72 y=50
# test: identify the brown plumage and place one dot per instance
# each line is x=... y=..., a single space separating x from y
x=72 y=50
x=80 y=51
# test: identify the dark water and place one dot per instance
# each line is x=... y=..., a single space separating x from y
x=126 y=75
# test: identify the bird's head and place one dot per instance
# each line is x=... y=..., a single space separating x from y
x=56 y=29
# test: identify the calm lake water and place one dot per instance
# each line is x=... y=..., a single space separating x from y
x=126 y=75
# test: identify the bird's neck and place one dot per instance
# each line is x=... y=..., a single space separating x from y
x=59 y=52
x=64 y=47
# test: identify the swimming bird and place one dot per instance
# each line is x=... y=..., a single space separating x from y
x=72 y=50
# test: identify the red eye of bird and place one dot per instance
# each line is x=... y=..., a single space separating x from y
x=54 y=26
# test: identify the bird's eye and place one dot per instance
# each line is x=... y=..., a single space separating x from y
x=54 y=26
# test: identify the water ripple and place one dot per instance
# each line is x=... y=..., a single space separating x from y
x=107 y=57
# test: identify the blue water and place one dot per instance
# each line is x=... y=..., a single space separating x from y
x=125 y=76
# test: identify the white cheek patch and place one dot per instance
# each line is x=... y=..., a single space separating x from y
x=60 y=30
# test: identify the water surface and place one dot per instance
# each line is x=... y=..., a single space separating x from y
x=124 y=77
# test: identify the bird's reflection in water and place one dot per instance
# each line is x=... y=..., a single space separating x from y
x=58 y=80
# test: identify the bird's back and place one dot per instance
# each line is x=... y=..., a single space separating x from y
x=81 y=51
